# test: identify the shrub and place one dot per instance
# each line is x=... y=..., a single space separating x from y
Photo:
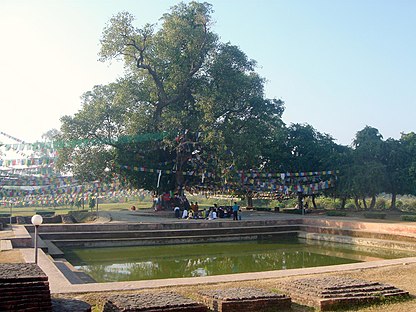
x=381 y=203
x=375 y=215
x=326 y=203
x=349 y=206
x=336 y=213
x=280 y=205
x=409 y=218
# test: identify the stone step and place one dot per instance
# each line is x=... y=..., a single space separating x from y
x=164 y=233
x=145 y=241
x=182 y=224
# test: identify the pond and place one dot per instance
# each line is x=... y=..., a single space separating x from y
x=189 y=260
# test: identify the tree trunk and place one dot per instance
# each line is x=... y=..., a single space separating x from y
x=179 y=182
x=393 y=201
x=300 y=202
x=157 y=117
x=313 y=201
x=357 y=202
x=343 y=202
x=373 y=202
x=249 y=201
x=365 y=203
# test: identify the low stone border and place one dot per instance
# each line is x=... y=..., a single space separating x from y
x=331 y=293
x=152 y=302
x=244 y=299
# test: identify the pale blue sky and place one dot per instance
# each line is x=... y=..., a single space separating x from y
x=338 y=65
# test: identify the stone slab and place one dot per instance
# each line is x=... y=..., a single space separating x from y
x=152 y=302
x=244 y=299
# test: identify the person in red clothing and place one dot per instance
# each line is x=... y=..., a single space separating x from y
x=166 y=200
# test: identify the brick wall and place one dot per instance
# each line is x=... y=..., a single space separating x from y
x=24 y=287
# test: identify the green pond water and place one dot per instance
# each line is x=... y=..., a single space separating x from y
x=158 y=262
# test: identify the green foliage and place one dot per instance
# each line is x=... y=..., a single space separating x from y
x=411 y=218
x=327 y=203
x=336 y=213
x=350 y=206
x=375 y=215
x=381 y=203
x=406 y=203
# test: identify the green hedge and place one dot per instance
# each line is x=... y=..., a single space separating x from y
x=409 y=218
x=4 y=215
x=45 y=213
x=375 y=215
x=336 y=213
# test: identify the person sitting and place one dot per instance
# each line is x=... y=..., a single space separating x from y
x=185 y=214
x=177 y=212
x=190 y=214
x=209 y=217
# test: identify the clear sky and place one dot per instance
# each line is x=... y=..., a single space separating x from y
x=339 y=65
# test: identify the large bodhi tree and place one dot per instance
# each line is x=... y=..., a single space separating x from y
x=181 y=81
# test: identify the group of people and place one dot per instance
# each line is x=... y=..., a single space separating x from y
x=211 y=214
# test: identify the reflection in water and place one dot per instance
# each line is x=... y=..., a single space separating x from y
x=157 y=262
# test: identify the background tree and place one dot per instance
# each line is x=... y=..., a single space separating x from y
x=369 y=174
